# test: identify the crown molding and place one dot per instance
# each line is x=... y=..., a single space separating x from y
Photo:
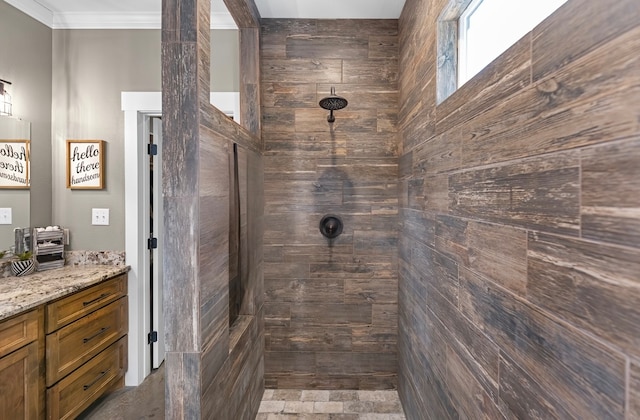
x=34 y=9
x=106 y=20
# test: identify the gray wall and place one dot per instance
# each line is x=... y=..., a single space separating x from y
x=26 y=62
x=225 y=68
x=90 y=70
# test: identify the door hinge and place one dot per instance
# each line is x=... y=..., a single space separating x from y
x=152 y=337
x=152 y=149
x=152 y=243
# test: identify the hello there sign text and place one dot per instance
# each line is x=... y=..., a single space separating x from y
x=14 y=163
x=85 y=164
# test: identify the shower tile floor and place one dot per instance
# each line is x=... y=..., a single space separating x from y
x=289 y=404
x=147 y=402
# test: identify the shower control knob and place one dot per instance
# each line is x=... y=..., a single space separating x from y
x=330 y=226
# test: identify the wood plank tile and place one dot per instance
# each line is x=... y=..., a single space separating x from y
x=498 y=252
x=309 y=339
x=373 y=340
x=383 y=46
x=405 y=165
x=313 y=381
x=525 y=397
x=539 y=193
x=418 y=225
x=244 y=13
x=420 y=127
x=373 y=145
x=365 y=169
x=362 y=270
x=440 y=154
x=328 y=314
x=334 y=363
x=591 y=285
x=576 y=29
x=371 y=291
x=313 y=120
x=610 y=202
x=290 y=362
x=585 y=103
x=371 y=192
x=385 y=315
x=288 y=95
x=318 y=193
x=478 y=352
x=362 y=96
x=374 y=242
x=437 y=270
x=503 y=77
x=278 y=120
x=554 y=355
x=304 y=290
x=377 y=70
x=304 y=145
x=335 y=45
x=277 y=314
x=386 y=27
x=302 y=70
x=468 y=395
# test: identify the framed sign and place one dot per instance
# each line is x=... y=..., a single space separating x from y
x=14 y=164
x=85 y=164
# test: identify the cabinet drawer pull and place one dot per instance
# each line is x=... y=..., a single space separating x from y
x=102 y=296
x=102 y=330
x=92 y=383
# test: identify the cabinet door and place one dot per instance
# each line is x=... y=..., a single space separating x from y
x=19 y=384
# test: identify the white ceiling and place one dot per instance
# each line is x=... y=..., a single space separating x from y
x=145 y=14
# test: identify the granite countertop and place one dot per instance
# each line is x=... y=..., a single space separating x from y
x=19 y=294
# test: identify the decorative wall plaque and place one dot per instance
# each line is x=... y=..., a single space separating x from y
x=85 y=164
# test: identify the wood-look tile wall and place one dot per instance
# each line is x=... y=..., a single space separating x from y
x=212 y=371
x=519 y=288
x=330 y=311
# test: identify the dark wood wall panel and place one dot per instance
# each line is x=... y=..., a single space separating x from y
x=330 y=311
x=519 y=226
x=212 y=371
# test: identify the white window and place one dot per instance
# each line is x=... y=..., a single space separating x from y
x=487 y=28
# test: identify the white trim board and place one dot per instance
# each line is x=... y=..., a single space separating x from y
x=136 y=106
x=106 y=20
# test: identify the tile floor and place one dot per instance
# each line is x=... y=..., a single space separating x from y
x=147 y=402
x=289 y=404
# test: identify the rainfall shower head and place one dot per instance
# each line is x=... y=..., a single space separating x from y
x=333 y=103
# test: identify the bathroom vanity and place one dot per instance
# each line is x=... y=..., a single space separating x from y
x=63 y=340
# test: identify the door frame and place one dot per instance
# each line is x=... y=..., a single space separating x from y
x=137 y=107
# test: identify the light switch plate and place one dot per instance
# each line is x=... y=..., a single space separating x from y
x=100 y=217
x=5 y=216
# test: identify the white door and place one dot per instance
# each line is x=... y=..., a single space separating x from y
x=154 y=224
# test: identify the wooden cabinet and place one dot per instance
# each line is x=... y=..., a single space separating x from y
x=21 y=366
x=86 y=347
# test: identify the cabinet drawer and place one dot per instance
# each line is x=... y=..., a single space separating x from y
x=19 y=385
x=18 y=331
x=77 y=305
x=71 y=346
x=76 y=392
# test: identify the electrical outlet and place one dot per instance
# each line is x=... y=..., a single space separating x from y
x=5 y=216
x=100 y=217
